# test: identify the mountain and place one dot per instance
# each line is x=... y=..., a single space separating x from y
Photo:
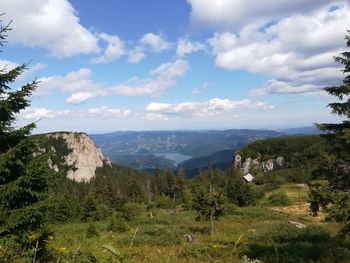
x=74 y=150
x=308 y=130
x=149 y=149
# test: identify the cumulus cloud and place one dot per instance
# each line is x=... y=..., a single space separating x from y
x=50 y=24
x=100 y=112
x=81 y=87
x=156 y=43
x=107 y=112
x=136 y=55
x=77 y=83
x=159 y=80
x=234 y=14
x=79 y=97
x=163 y=111
x=186 y=47
x=6 y=65
x=297 y=51
x=40 y=113
x=114 y=50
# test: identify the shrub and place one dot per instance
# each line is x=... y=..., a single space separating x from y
x=279 y=199
x=230 y=209
x=91 y=231
x=131 y=210
x=288 y=244
x=164 y=202
x=117 y=225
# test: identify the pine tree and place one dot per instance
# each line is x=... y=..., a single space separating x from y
x=209 y=202
x=23 y=171
x=335 y=197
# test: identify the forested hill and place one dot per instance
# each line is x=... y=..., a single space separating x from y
x=146 y=150
x=301 y=156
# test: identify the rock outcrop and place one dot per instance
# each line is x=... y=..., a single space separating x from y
x=84 y=156
x=247 y=164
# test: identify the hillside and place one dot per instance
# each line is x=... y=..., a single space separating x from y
x=295 y=158
x=150 y=149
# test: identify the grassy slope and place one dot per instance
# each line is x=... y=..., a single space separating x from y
x=162 y=239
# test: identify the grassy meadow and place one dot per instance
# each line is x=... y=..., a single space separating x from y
x=243 y=234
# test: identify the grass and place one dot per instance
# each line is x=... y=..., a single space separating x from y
x=163 y=238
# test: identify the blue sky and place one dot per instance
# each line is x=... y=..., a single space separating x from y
x=158 y=65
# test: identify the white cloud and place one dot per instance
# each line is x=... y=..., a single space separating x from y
x=81 y=87
x=114 y=50
x=79 y=97
x=201 y=89
x=40 y=113
x=233 y=14
x=107 y=112
x=100 y=112
x=297 y=51
x=156 y=43
x=162 y=111
x=186 y=47
x=160 y=79
x=136 y=55
x=6 y=65
x=74 y=82
x=51 y=24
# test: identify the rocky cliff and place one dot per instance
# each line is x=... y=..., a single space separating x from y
x=247 y=164
x=82 y=155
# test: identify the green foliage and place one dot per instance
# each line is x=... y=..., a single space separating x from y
x=164 y=202
x=131 y=210
x=238 y=192
x=279 y=199
x=24 y=173
x=335 y=197
x=230 y=209
x=209 y=204
x=117 y=224
x=285 y=243
x=91 y=231
x=89 y=209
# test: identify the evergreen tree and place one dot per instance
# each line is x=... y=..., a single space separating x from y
x=209 y=202
x=24 y=173
x=335 y=197
x=180 y=183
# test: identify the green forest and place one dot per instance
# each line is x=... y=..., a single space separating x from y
x=295 y=213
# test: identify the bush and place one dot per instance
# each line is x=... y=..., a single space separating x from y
x=91 y=231
x=230 y=209
x=164 y=202
x=131 y=210
x=117 y=224
x=103 y=211
x=279 y=199
x=288 y=243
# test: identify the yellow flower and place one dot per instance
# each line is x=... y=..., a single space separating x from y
x=218 y=246
x=62 y=249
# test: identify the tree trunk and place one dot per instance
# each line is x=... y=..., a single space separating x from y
x=174 y=196
x=211 y=223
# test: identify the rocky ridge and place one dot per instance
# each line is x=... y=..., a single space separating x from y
x=247 y=164
x=84 y=156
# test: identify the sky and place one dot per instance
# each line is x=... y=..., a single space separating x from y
x=113 y=65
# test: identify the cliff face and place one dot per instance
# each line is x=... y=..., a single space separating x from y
x=84 y=156
x=245 y=165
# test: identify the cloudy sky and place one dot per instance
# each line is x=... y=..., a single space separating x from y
x=158 y=65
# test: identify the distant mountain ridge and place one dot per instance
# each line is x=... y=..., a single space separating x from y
x=146 y=150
